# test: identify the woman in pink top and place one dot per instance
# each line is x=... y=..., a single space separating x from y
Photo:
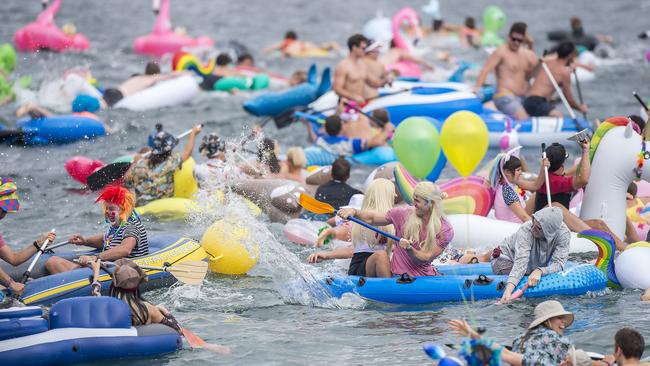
x=510 y=201
x=423 y=228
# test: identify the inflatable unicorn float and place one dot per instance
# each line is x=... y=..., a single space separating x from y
x=44 y=34
x=163 y=39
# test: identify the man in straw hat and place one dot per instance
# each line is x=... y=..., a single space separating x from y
x=9 y=204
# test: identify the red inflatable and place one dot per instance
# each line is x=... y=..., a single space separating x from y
x=44 y=34
x=80 y=167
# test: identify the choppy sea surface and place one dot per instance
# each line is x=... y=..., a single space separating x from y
x=269 y=317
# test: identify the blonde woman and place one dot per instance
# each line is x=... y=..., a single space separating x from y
x=423 y=228
x=370 y=252
x=292 y=167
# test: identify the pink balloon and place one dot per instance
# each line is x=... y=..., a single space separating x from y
x=647 y=56
x=80 y=167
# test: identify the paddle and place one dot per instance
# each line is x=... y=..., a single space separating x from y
x=38 y=255
x=548 y=188
x=575 y=74
x=189 y=273
x=58 y=245
x=313 y=205
x=638 y=98
x=379 y=122
x=114 y=171
x=560 y=93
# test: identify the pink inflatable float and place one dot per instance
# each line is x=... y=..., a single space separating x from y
x=80 y=167
x=408 y=17
x=164 y=40
x=44 y=34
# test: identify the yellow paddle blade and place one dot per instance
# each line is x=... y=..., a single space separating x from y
x=190 y=272
x=311 y=204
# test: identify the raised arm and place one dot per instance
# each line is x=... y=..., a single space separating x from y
x=372 y=217
x=582 y=179
x=187 y=153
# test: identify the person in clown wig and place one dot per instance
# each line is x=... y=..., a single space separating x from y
x=126 y=237
x=9 y=204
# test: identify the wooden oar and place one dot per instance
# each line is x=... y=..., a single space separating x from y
x=311 y=204
x=114 y=171
x=190 y=272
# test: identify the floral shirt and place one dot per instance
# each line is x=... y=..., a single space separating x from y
x=153 y=183
x=541 y=346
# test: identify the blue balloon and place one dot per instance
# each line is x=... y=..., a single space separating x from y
x=434 y=351
x=442 y=160
x=450 y=361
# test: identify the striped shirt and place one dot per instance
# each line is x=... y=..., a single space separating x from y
x=132 y=229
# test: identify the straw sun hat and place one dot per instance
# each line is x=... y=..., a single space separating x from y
x=547 y=310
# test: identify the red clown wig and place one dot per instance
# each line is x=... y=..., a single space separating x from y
x=118 y=195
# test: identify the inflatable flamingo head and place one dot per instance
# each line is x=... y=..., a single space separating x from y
x=409 y=17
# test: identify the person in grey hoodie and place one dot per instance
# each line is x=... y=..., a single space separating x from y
x=538 y=248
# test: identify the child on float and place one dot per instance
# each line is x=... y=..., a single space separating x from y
x=511 y=202
x=370 y=252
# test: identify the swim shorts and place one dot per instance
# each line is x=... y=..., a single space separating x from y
x=508 y=104
x=358 y=264
x=501 y=265
x=537 y=106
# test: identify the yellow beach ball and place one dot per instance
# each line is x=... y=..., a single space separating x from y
x=224 y=243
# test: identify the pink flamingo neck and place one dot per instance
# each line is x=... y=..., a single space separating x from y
x=46 y=17
x=163 y=22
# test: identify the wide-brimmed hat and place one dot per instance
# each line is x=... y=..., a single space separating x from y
x=8 y=195
x=547 y=310
x=127 y=274
x=579 y=357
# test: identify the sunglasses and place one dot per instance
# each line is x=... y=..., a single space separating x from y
x=517 y=39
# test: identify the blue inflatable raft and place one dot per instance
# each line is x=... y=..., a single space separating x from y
x=377 y=156
x=80 y=330
x=53 y=130
x=47 y=289
x=473 y=281
x=274 y=103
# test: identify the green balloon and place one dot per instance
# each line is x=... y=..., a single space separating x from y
x=493 y=19
x=7 y=58
x=417 y=145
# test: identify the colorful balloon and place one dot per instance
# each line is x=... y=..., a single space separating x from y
x=442 y=160
x=416 y=144
x=493 y=20
x=464 y=140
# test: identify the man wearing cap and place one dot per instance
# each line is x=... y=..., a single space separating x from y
x=376 y=70
x=152 y=177
x=9 y=204
x=540 y=247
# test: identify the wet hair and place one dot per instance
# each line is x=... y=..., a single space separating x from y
x=138 y=306
x=576 y=23
x=512 y=164
x=632 y=189
x=243 y=57
x=356 y=40
x=152 y=68
x=437 y=24
x=470 y=23
x=565 y=49
x=266 y=155
x=382 y=115
x=291 y=35
x=333 y=125
x=223 y=59
x=556 y=154
x=518 y=27
x=341 y=169
x=630 y=342
x=638 y=120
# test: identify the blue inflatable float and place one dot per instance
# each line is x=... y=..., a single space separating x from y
x=47 y=289
x=470 y=281
x=88 y=329
x=53 y=130
x=272 y=104
x=377 y=156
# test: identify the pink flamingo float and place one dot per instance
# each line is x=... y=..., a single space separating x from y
x=409 y=17
x=44 y=34
x=163 y=39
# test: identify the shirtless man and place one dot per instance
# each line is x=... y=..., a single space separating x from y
x=376 y=70
x=537 y=103
x=137 y=83
x=351 y=75
x=513 y=65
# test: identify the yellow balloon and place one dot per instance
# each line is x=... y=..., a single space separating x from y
x=184 y=183
x=464 y=140
x=227 y=254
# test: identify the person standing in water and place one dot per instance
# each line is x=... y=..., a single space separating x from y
x=351 y=76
